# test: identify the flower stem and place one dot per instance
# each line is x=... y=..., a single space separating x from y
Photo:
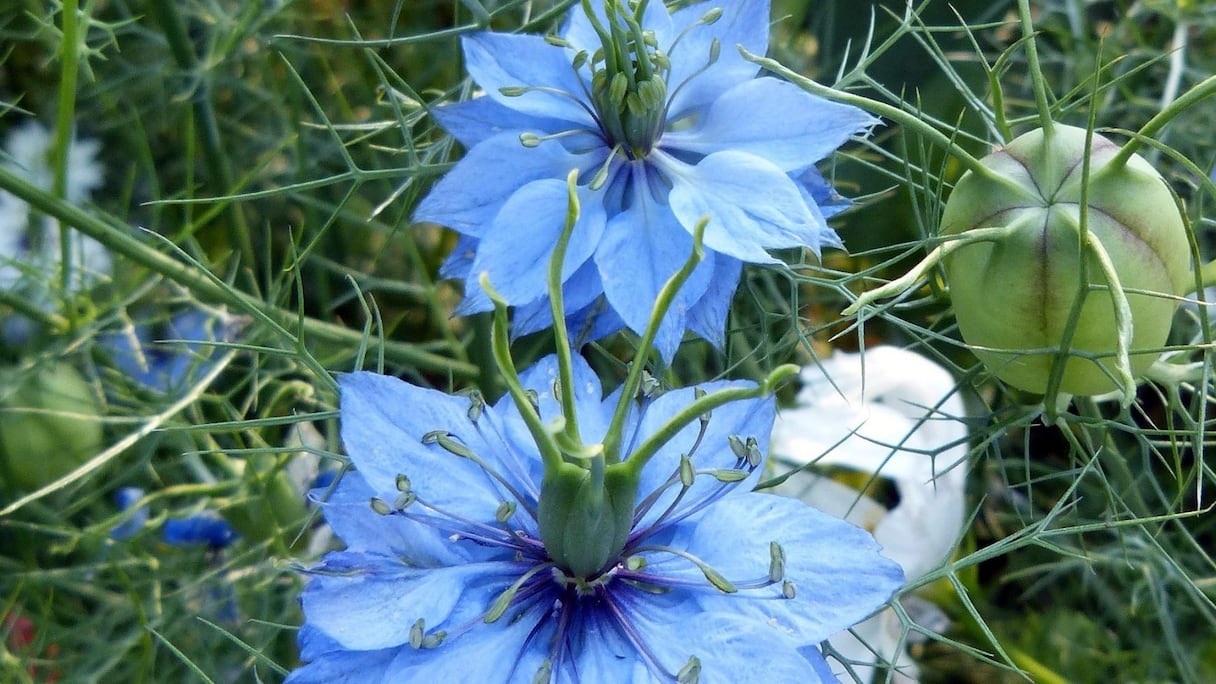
x=612 y=440
x=64 y=130
x=1036 y=71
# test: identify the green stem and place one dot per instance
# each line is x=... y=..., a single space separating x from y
x=214 y=155
x=906 y=281
x=633 y=380
x=1204 y=89
x=694 y=411
x=550 y=453
x=895 y=114
x=1036 y=71
x=22 y=305
x=286 y=323
x=64 y=130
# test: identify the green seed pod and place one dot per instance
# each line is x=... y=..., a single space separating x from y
x=1013 y=296
x=48 y=425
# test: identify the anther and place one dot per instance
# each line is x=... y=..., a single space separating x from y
x=754 y=456
x=776 y=562
x=691 y=672
x=477 y=403
x=417 y=633
x=380 y=506
x=737 y=447
x=544 y=673
x=505 y=511
x=687 y=473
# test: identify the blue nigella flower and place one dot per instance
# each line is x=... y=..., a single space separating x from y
x=166 y=356
x=666 y=124
x=464 y=567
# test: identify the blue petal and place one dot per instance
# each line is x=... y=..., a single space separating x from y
x=747 y=418
x=333 y=665
x=732 y=649
x=125 y=498
x=348 y=511
x=707 y=317
x=774 y=120
x=469 y=197
x=821 y=193
x=509 y=650
x=215 y=532
x=474 y=121
x=588 y=315
x=501 y=60
x=745 y=23
x=641 y=249
x=369 y=602
x=459 y=263
x=752 y=205
x=516 y=251
x=383 y=423
x=840 y=576
x=594 y=414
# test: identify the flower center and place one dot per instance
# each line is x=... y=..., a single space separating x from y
x=628 y=78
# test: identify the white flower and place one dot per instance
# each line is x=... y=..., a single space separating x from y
x=897 y=414
x=29 y=243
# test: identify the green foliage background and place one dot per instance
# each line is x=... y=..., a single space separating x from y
x=263 y=158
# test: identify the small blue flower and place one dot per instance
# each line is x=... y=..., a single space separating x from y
x=125 y=498
x=666 y=124
x=165 y=357
x=203 y=528
x=447 y=575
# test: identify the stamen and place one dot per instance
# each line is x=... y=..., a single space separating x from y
x=601 y=176
x=462 y=528
x=630 y=632
x=499 y=607
x=451 y=444
x=713 y=576
x=715 y=51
